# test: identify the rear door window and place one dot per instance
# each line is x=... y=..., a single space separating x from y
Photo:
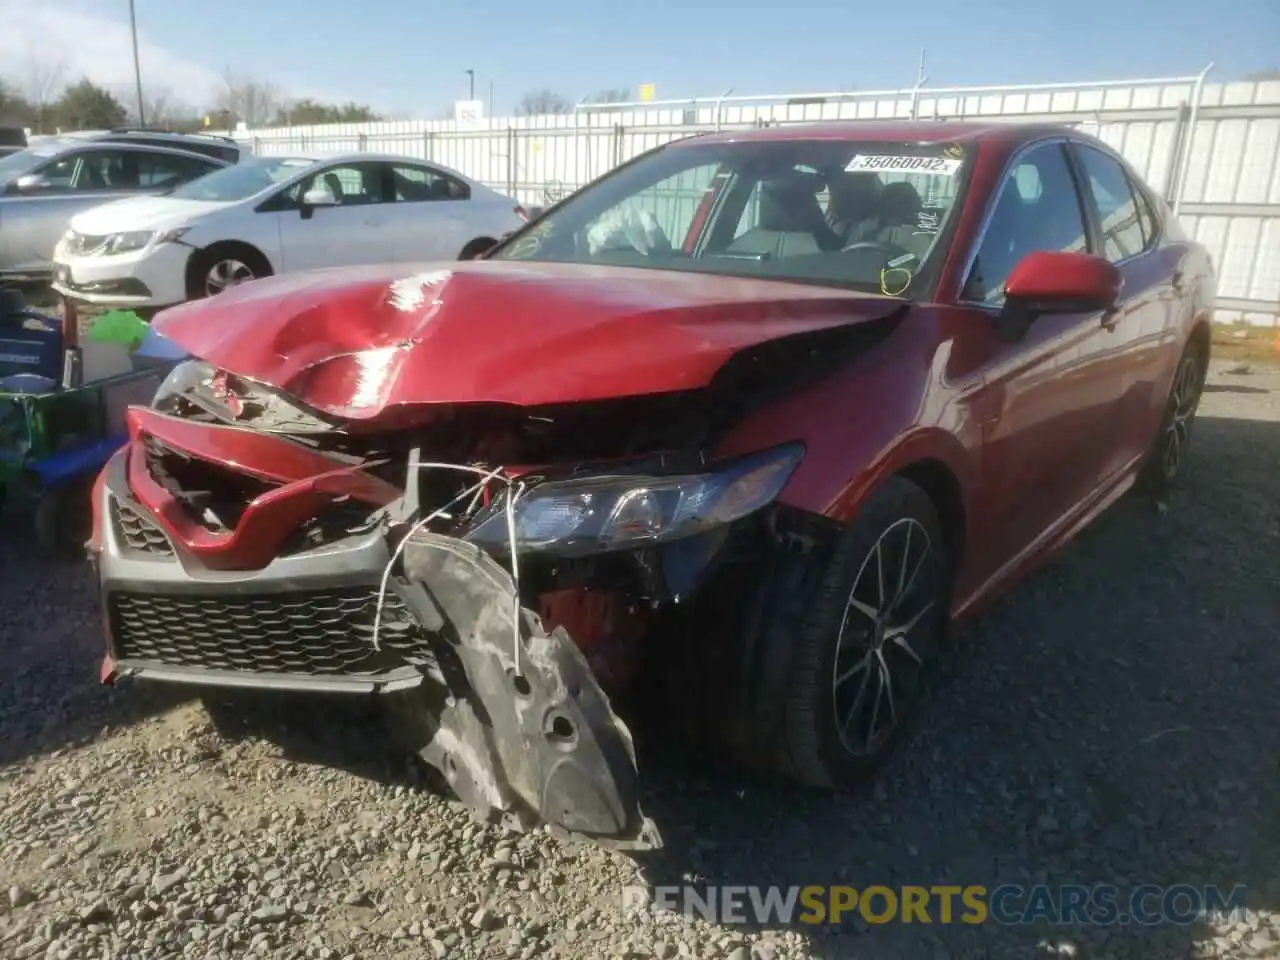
x=160 y=171
x=1114 y=201
x=415 y=184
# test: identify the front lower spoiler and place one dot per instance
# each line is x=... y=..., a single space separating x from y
x=525 y=734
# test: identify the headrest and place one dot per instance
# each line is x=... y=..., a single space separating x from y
x=899 y=202
x=789 y=204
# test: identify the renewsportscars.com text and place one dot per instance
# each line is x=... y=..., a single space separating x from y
x=1007 y=904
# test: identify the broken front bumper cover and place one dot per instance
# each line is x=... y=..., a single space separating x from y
x=524 y=735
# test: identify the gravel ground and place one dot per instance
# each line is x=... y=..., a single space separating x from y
x=1114 y=720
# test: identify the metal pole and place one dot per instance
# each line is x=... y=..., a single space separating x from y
x=137 y=67
x=719 y=100
x=1191 y=136
x=490 y=98
x=471 y=75
x=915 y=91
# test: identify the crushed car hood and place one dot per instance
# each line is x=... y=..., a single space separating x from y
x=351 y=342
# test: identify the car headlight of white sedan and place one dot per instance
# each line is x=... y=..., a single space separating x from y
x=128 y=241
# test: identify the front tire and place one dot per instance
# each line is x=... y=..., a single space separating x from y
x=865 y=646
x=223 y=266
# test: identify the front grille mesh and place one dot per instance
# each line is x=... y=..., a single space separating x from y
x=137 y=533
x=321 y=632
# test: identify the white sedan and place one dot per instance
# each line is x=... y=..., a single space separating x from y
x=269 y=215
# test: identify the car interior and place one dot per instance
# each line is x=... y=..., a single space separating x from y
x=860 y=209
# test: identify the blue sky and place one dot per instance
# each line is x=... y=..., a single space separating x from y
x=410 y=58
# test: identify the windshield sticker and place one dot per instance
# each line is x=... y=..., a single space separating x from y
x=928 y=220
x=880 y=163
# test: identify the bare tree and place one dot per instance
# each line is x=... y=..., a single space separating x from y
x=43 y=78
x=248 y=100
x=612 y=95
x=164 y=111
x=542 y=102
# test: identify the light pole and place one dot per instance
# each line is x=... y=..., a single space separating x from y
x=137 y=68
x=471 y=74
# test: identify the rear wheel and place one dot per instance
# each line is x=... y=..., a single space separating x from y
x=1168 y=454
x=865 y=645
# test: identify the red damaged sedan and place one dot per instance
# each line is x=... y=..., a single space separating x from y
x=758 y=413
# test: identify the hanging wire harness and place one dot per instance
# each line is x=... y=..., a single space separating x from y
x=475 y=491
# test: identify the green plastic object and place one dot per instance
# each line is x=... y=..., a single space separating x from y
x=119 y=326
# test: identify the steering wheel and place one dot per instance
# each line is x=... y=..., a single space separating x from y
x=891 y=251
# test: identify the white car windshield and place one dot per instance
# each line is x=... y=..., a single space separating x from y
x=868 y=215
x=244 y=179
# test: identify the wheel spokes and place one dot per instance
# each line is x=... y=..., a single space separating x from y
x=884 y=642
x=1182 y=408
x=226 y=274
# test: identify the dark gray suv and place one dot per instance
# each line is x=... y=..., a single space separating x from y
x=54 y=178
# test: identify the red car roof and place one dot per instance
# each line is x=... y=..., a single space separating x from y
x=892 y=131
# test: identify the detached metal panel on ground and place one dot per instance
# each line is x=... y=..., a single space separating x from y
x=1213 y=150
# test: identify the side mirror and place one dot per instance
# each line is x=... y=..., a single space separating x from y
x=32 y=182
x=1048 y=281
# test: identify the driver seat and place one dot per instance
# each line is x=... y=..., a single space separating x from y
x=335 y=186
x=894 y=222
x=789 y=223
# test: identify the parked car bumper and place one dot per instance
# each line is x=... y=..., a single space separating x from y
x=154 y=277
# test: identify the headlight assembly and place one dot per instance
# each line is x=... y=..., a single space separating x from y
x=623 y=512
x=128 y=241
x=181 y=379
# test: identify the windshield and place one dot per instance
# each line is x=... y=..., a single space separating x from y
x=249 y=177
x=865 y=215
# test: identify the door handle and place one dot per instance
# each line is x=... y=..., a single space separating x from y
x=1176 y=281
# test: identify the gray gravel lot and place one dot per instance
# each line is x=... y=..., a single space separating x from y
x=1114 y=720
